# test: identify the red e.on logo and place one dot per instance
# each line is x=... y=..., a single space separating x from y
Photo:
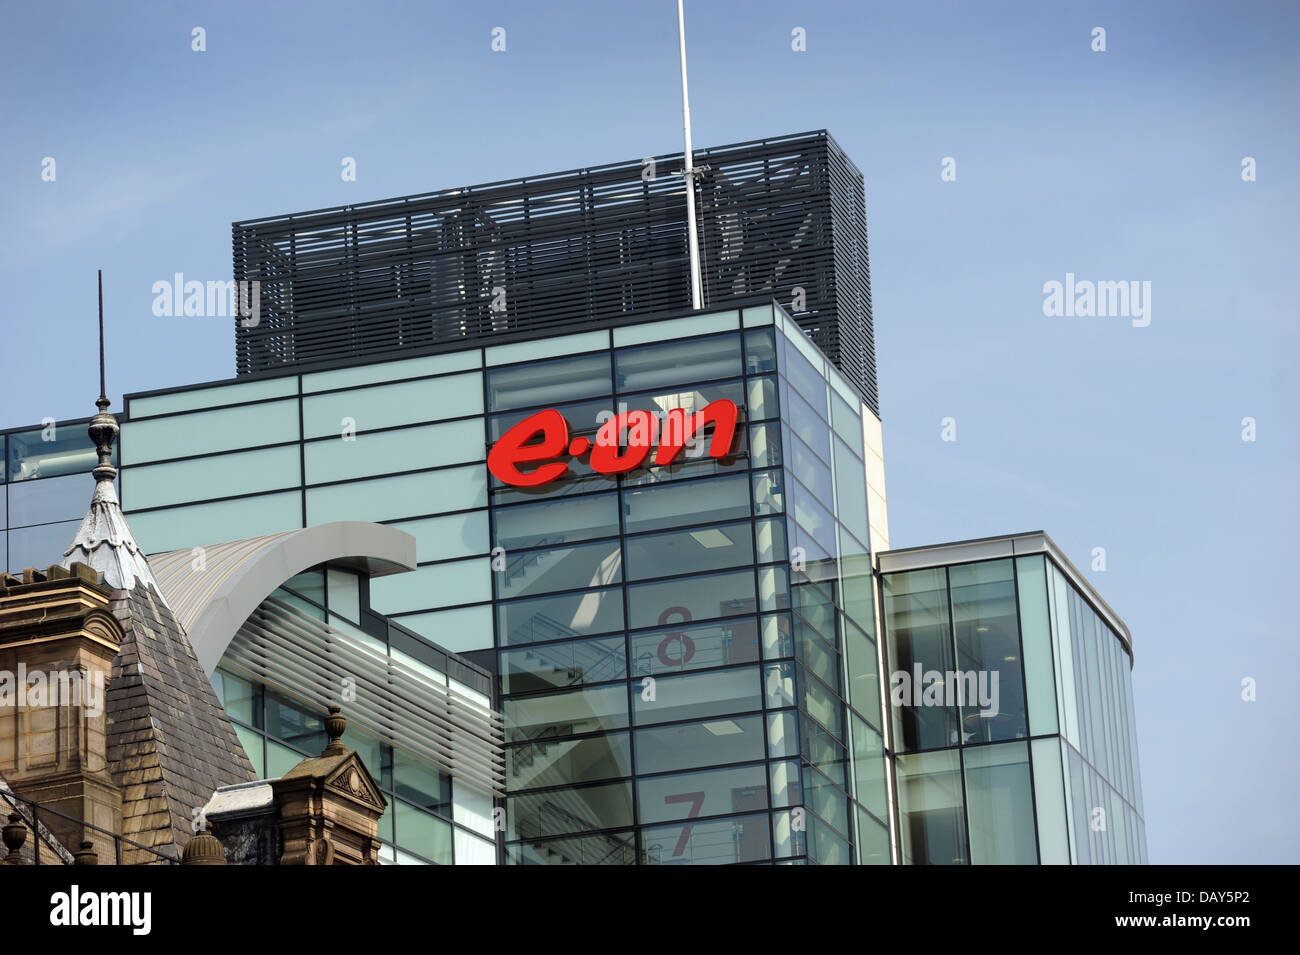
x=542 y=438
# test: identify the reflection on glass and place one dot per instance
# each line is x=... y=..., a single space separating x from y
x=988 y=651
x=931 y=819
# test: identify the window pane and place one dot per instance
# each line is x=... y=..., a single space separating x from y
x=864 y=682
x=691 y=551
x=548 y=382
x=988 y=651
x=386 y=406
x=387 y=371
x=456 y=535
x=920 y=648
x=419 y=832
x=719 y=842
x=422 y=784
x=604 y=806
x=806 y=424
x=700 y=695
x=689 y=397
x=548 y=523
x=850 y=491
x=691 y=598
x=536 y=765
x=848 y=423
x=50 y=452
x=765 y=445
x=406 y=449
x=869 y=768
x=438 y=585
x=618 y=848
x=45 y=501
x=566 y=714
x=1049 y=802
x=674 y=362
x=241 y=699
x=392 y=498
x=554 y=665
x=760 y=351
x=559 y=568
x=930 y=812
x=289 y=721
x=41 y=545
x=999 y=804
x=761 y=399
x=1036 y=643
x=671 y=505
x=675 y=649
x=736 y=739
x=254 y=745
x=211 y=432
x=711 y=793
x=554 y=618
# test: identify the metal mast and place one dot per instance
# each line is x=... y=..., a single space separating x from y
x=697 y=294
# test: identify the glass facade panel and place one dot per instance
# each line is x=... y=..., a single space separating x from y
x=1036 y=644
x=226 y=475
x=406 y=449
x=718 y=842
x=691 y=551
x=549 y=383
x=554 y=618
x=673 y=505
x=680 y=648
x=388 y=371
x=410 y=495
x=673 y=362
x=698 y=695
x=931 y=816
x=211 y=397
x=581 y=809
x=605 y=849
x=988 y=651
x=387 y=406
x=51 y=452
x=553 y=665
x=548 y=523
x=703 y=597
x=920 y=646
x=527 y=573
x=437 y=585
x=455 y=535
x=715 y=792
x=47 y=500
x=1000 y=805
x=1049 y=802
x=760 y=350
x=424 y=834
x=737 y=739
x=566 y=714
x=209 y=432
x=548 y=763
x=41 y=545
x=176 y=527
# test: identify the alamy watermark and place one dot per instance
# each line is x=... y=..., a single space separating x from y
x=38 y=689
x=1088 y=299
x=177 y=298
x=945 y=688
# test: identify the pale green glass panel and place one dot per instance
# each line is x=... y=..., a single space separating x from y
x=676 y=328
x=407 y=449
x=456 y=535
x=387 y=406
x=999 y=805
x=280 y=759
x=548 y=348
x=466 y=628
x=408 y=495
x=211 y=397
x=209 y=432
x=1036 y=644
x=758 y=315
x=343 y=593
x=247 y=472
x=1049 y=801
x=203 y=524
x=392 y=371
x=253 y=741
x=438 y=585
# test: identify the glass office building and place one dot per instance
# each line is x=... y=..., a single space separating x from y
x=685 y=654
x=1011 y=708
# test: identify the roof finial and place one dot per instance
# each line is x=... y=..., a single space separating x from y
x=103 y=426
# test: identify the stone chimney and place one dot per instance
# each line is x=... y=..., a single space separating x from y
x=329 y=806
x=58 y=639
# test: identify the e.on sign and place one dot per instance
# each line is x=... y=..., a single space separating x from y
x=543 y=440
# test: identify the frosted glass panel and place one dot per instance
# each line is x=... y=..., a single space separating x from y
x=407 y=449
x=210 y=432
x=456 y=535
x=387 y=406
x=466 y=628
x=211 y=397
x=409 y=495
x=177 y=527
x=225 y=476
x=439 y=585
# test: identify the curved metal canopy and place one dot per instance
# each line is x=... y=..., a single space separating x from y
x=214 y=589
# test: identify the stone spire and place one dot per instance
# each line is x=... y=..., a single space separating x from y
x=104 y=540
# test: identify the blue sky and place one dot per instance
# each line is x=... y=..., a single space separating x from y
x=1122 y=165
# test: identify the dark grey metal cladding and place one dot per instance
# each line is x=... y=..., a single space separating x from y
x=569 y=251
